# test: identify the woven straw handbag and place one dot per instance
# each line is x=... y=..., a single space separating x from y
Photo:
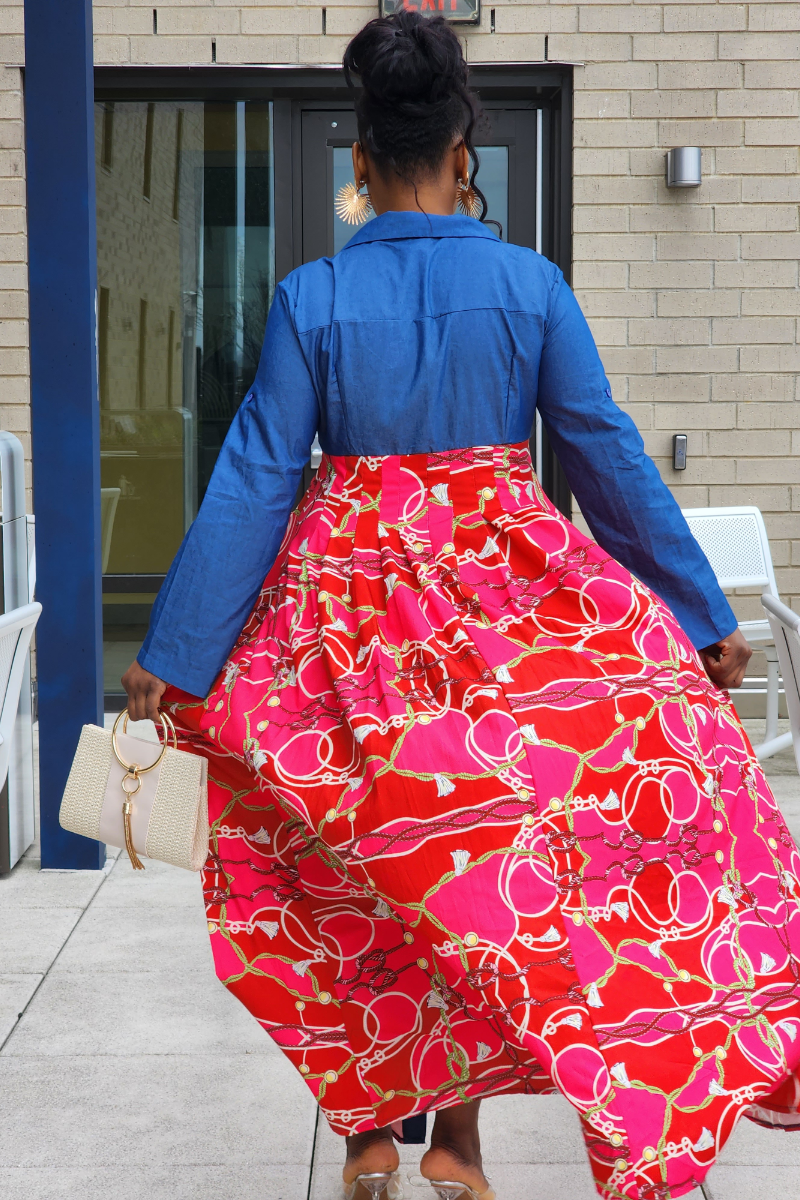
x=150 y=798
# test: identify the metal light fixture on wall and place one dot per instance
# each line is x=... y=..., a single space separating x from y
x=684 y=167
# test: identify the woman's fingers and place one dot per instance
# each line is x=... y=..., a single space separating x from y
x=153 y=699
x=135 y=703
x=726 y=661
x=740 y=654
x=144 y=692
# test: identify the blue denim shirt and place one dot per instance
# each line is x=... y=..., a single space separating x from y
x=423 y=333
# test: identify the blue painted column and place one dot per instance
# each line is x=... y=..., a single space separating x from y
x=62 y=250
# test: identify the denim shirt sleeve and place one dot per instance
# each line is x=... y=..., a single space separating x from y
x=228 y=551
x=629 y=509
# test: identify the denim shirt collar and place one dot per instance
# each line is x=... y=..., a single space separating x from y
x=395 y=226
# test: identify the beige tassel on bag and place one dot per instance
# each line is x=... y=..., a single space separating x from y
x=127 y=809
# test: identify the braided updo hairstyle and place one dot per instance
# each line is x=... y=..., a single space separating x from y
x=415 y=102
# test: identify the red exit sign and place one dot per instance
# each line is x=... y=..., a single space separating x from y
x=460 y=12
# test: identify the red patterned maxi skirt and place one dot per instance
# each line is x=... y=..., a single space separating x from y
x=481 y=824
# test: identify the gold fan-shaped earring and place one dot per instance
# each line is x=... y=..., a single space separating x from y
x=468 y=202
x=351 y=206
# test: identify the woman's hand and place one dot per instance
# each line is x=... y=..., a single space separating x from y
x=144 y=692
x=726 y=660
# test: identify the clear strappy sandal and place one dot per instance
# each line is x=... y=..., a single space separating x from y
x=447 y=1190
x=381 y=1185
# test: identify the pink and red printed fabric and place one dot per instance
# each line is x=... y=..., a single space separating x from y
x=481 y=824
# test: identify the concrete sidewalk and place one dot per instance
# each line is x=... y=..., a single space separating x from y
x=128 y=1071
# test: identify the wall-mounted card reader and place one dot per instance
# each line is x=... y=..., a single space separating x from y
x=679 y=451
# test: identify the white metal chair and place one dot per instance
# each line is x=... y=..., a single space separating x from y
x=16 y=630
x=785 y=626
x=735 y=542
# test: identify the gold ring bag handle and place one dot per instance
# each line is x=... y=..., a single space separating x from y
x=131 y=781
x=150 y=799
x=169 y=732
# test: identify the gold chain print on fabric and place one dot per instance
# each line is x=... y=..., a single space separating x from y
x=481 y=824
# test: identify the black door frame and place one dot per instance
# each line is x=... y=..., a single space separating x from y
x=547 y=86
x=509 y=124
x=540 y=85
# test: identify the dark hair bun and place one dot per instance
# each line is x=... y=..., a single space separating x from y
x=415 y=101
x=407 y=59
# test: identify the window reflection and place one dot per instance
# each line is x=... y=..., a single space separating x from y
x=185 y=280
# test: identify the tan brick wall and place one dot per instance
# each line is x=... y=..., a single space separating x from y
x=693 y=296
x=14 y=387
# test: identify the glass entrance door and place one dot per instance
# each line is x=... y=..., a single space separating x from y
x=186 y=272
